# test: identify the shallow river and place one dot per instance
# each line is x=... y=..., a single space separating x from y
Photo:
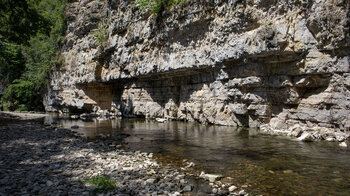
x=264 y=165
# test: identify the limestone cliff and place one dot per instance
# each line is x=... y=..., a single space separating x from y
x=275 y=64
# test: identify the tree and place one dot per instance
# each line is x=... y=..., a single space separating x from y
x=32 y=33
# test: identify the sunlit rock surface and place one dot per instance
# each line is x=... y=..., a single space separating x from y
x=268 y=63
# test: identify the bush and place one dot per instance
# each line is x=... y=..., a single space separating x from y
x=101 y=33
x=22 y=95
x=157 y=6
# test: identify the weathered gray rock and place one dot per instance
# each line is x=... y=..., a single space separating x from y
x=237 y=63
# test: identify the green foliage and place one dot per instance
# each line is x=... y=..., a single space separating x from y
x=20 y=20
x=101 y=33
x=153 y=6
x=156 y=6
x=175 y=2
x=21 y=95
x=102 y=183
x=30 y=46
x=11 y=62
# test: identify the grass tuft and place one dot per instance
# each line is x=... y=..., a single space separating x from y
x=102 y=183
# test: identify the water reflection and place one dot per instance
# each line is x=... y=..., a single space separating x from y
x=264 y=164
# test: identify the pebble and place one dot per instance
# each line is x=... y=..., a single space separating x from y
x=288 y=171
x=223 y=192
x=176 y=193
x=232 y=188
x=210 y=177
x=343 y=144
x=49 y=183
x=151 y=181
x=330 y=139
x=241 y=192
x=191 y=164
x=161 y=120
x=187 y=188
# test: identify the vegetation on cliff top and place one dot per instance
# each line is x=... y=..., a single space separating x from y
x=157 y=6
x=31 y=35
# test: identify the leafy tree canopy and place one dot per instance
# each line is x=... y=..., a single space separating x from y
x=31 y=35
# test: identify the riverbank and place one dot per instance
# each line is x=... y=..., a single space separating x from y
x=46 y=160
x=22 y=115
x=296 y=132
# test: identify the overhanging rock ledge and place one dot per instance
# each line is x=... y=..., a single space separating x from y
x=276 y=64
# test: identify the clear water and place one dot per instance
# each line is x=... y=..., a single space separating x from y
x=264 y=165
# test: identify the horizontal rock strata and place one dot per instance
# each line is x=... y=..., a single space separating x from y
x=268 y=63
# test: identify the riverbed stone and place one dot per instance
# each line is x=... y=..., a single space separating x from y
x=187 y=188
x=232 y=188
x=241 y=192
x=151 y=181
x=343 y=144
x=49 y=183
x=306 y=137
x=210 y=177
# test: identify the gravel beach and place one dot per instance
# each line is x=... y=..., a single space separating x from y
x=38 y=159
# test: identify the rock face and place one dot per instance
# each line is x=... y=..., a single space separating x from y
x=236 y=62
